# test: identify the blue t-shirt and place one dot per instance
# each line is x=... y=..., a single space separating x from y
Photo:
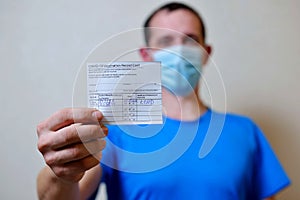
x=218 y=156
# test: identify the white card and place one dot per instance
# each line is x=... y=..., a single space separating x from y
x=126 y=92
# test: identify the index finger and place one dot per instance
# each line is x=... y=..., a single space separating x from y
x=68 y=116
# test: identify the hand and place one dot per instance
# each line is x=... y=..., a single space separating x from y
x=71 y=142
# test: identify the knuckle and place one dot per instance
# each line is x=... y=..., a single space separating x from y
x=43 y=144
x=65 y=115
x=60 y=171
x=70 y=134
x=75 y=151
x=65 y=111
x=50 y=160
x=40 y=128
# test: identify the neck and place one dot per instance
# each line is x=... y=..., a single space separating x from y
x=186 y=108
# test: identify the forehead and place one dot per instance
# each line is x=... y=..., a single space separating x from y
x=181 y=20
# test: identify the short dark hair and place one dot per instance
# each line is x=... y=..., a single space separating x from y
x=172 y=7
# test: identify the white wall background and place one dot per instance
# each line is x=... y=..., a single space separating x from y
x=42 y=44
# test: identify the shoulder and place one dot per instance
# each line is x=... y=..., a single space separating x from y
x=238 y=126
x=238 y=118
x=234 y=120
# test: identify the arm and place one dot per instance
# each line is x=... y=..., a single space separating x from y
x=49 y=186
x=71 y=142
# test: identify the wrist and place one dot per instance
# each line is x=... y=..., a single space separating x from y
x=51 y=186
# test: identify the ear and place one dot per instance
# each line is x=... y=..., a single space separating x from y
x=145 y=54
x=208 y=52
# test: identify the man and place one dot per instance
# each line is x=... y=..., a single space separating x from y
x=240 y=166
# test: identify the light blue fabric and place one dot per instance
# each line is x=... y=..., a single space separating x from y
x=241 y=166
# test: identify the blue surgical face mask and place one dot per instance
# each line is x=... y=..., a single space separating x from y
x=181 y=68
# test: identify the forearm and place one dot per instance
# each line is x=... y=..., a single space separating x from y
x=50 y=187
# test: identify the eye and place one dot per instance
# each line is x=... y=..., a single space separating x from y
x=191 y=40
x=165 y=41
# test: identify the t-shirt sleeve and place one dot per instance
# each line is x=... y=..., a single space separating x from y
x=270 y=176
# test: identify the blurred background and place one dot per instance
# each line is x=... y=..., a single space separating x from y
x=256 y=49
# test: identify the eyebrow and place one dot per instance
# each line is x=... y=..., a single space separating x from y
x=194 y=37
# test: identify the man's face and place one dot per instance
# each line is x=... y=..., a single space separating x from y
x=179 y=27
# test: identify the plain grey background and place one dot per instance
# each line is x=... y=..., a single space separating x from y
x=43 y=43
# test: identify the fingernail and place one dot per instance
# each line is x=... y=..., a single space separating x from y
x=97 y=114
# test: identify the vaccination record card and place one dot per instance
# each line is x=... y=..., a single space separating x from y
x=126 y=92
